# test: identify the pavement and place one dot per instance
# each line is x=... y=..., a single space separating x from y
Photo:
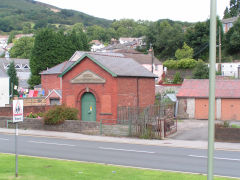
x=196 y=144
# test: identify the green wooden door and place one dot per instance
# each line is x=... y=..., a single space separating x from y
x=88 y=104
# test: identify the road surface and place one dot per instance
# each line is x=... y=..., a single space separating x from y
x=227 y=163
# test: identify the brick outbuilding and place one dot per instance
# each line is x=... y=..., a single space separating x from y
x=97 y=83
x=193 y=99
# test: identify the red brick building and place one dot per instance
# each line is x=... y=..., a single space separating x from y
x=97 y=83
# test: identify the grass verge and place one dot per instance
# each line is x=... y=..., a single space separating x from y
x=31 y=168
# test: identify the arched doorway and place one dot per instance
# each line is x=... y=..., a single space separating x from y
x=88 y=107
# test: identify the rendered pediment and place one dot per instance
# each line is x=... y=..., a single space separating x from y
x=87 y=77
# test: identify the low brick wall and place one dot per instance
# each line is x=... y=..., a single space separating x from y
x=8 y=111
x=227 y=134
x=75 y=126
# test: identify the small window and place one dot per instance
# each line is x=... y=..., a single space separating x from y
x=156 y=67
x=26 y=66
x=17 y=66
x=54 y=101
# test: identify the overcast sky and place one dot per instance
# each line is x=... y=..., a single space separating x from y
x=182 y=10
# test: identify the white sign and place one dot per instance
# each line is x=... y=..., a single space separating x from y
x=17 y=111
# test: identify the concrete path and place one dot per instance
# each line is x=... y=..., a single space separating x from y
x=193 y=130
x=165 y=142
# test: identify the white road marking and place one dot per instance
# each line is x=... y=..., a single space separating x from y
x=219 y=158
x=127 y=150
x=4 y=139
x=39 y=142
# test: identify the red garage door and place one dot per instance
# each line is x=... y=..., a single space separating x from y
x=201 y=108
x=230 y=109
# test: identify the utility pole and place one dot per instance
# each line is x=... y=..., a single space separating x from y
x=220 y=48
x=212 y=76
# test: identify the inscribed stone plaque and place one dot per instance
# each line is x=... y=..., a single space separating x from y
x=88 y=77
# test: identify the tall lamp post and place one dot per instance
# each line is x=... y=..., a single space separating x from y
x=211 y=114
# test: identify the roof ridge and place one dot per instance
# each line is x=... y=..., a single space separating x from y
x=108 y=55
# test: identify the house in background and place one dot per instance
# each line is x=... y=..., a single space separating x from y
x=193 y=99
x=231 y=69
x=4 y=88
x=22 y=68
x=228 y=23
x=145 y=60
x=96 y=45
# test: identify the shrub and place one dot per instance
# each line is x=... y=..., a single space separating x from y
x=186 y=63
x=59 y=114
x=170 y=64
x=35 y=115
x=177 y=79
x=201 y=71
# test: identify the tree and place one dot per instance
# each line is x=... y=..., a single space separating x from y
x=165 y=38
x=22 y=48
x=185 y=52
x=232 y=39
x=233 y=10
x=11 y=37
x=51 y=48
x=13 y=78
x=201 y=71
x=197 y=37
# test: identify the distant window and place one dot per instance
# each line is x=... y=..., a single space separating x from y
x=26 y=66
x=17 y=66
x=54 y=101
x=156 y=67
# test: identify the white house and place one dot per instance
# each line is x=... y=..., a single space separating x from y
x=22 y=68
x=230 y=69
x=96 y=45
x=4 y=88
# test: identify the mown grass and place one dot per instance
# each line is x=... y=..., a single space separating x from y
x=31 y=168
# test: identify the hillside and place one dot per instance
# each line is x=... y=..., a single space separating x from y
x=14 y=14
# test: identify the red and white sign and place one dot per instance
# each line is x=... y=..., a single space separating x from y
x=17 y=111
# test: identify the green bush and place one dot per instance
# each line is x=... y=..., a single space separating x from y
x=177 y=79
x=170 y=64
x=186 y=63
x=59 y=114
x=35 y=115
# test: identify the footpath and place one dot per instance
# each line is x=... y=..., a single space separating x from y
x=166 y=142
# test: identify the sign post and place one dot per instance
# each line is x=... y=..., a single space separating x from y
x=17 y=117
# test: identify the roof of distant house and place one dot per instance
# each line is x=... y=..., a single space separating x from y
x=230 y=20
x=199 y=88
x=96 y=42
x=138 y=56
x=114 y=63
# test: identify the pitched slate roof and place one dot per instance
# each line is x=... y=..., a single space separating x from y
x=139 y=57
x=58 y=69
x=197 y=88
x=114 y=63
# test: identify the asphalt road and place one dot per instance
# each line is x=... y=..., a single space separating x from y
x=227 y=163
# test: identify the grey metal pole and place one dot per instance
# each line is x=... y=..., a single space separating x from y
x=16 y=149
x=211 y=114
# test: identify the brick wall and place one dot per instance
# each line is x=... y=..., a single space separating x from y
x=136 y=91
x=8 y=111
x=75 y=126
x=49 y=82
